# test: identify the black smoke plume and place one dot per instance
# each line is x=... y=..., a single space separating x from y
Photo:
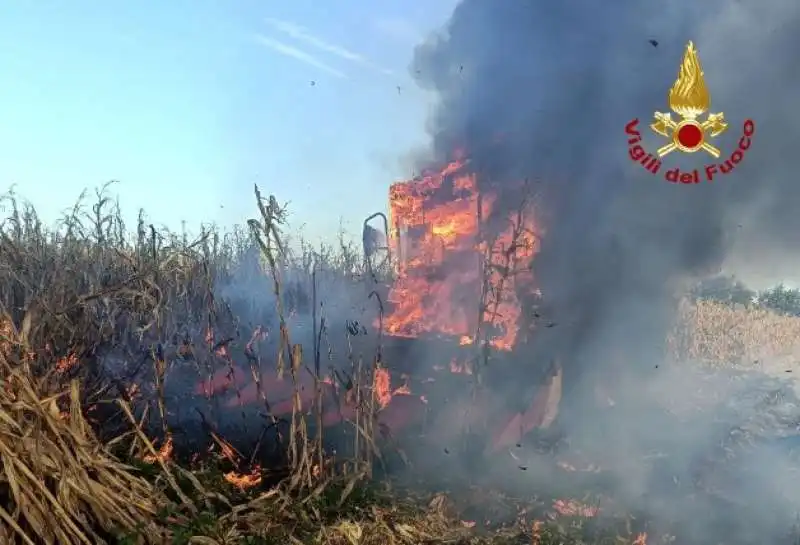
x=543 y=91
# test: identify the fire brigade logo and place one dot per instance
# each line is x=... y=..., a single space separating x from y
x=689 y=98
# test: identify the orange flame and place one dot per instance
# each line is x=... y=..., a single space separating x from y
x=382 y=387
x=163 y=454
x=437 y=234
x=339 y=404
x=243 y=481
x=66 y=363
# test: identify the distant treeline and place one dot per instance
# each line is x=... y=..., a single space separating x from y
x=731 y=291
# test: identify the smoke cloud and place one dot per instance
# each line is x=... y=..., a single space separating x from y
x=542 y=91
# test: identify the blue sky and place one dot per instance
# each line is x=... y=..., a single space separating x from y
x=190 y=102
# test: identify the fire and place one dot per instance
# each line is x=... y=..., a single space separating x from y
x=439 y=234
x=243 y=481
x=164 y=453
x=463 y=256
x=66 y=363
x=382 y=387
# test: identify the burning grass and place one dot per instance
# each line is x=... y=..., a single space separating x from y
x=97 y=327
x=93 y=325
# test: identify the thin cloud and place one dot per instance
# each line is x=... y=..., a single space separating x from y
x=303 y=34
x=298 y=54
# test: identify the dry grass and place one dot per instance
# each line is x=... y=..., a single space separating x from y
x=70 y=433
x=72 y=298
x=58 y=482
x=722 y=334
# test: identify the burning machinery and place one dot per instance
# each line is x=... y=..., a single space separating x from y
x=452 y=264
x=459 y=258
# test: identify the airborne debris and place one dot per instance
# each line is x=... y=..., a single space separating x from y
x=355 y=328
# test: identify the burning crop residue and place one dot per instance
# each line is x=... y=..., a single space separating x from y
x=243 y=481
x=163 y=454
x=458 y=268
x=464 y=257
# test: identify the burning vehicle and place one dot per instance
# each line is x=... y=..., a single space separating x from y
x=462 y=298
x=461 y=315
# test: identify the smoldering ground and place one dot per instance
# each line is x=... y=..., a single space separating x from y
x=326 y=312
x=539 y=90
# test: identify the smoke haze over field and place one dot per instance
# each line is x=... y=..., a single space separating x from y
x=543 y=90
